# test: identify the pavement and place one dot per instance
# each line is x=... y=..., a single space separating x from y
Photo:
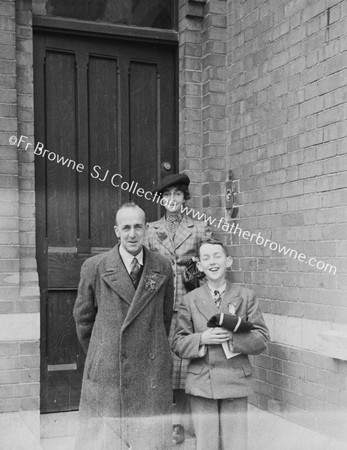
x=267 y=431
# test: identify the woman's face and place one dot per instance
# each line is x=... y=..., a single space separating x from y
x=175 y=199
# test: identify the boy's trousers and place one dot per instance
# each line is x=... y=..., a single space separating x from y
x=220 y=424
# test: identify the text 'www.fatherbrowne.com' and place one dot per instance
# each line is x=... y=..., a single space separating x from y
x=116 y=180
x=234 y=229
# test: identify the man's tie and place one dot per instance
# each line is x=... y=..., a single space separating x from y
x=135 y=272
x=217 y=296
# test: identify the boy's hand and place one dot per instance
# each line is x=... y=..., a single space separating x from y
x=215 y=336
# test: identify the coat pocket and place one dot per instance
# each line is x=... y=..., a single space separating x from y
x=195 y=368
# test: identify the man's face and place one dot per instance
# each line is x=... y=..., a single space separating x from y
x=130 y=229
x=213 y=261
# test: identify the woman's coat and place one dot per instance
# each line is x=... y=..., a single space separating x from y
x=188 y=236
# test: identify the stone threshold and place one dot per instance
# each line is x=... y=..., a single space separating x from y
x=267 y=431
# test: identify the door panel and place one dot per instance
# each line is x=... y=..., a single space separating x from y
x=144 y=123
x=104 y=123
x=111 y=106
x=61 y=138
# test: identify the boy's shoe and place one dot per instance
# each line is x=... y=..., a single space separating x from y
x=178 y=434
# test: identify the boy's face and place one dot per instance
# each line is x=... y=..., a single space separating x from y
x=213 y=261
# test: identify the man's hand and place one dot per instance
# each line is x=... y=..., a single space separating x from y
x=215 y=336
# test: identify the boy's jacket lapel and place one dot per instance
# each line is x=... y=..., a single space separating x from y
x=205 y=303
x=231 y=297
x=208 y=308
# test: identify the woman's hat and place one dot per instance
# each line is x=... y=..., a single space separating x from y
x=174 y=179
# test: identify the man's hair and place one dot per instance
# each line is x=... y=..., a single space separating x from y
x=213 y=241
x=127 y=205
x=180 y=187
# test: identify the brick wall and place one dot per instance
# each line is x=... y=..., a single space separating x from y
x=19 y=294
x=203 y=89
x=190 y=94
x=269 y=111
x=214 y=78
x=287 y=147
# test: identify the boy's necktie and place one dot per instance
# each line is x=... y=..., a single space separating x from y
x=217 y=296
x=135 y=272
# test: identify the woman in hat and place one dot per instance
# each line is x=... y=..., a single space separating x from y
x=177 y=236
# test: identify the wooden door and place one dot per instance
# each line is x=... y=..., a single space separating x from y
x=108 y=105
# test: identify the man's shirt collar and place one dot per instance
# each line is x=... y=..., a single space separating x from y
x=128 y=257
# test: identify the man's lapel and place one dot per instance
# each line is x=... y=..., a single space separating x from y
x=116 y=276
x=150 y=283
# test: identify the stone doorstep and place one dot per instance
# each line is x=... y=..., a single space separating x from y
x=15 y=433
x=58 y=425
x=65 y=443
x=267 y=431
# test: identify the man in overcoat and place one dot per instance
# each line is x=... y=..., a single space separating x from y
x=123 y=313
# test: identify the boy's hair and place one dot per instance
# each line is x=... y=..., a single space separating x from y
x=213 y=241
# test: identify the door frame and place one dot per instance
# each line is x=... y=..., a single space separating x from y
x=96 y=29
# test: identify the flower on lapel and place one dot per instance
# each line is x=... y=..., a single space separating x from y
x=161 y=235
x=150 y=282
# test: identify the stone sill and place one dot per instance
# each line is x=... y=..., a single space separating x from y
x=334 y=344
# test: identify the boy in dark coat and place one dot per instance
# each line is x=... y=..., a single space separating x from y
x=219 y=371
